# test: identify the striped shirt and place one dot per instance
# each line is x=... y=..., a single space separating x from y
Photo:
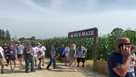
x=81 y=52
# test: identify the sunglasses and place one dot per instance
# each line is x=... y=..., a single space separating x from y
x=128 y=45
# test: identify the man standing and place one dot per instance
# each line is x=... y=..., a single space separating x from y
x=67 y=55
x=12 y=56
x=52 y=57
x=35 y=51
x=72 y=54
x=6 y=53
x=119 y=60
x=20 y=49
x=28 y=57
x=42 y=49
x=81 y=55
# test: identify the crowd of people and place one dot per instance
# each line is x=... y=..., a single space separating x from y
x=22 y=53
x=32 y=56
x=70 y=55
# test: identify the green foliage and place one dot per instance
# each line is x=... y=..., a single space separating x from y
x=4 y=36
x=106 y=44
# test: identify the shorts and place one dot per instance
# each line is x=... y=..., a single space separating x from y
x=81 y=60
x=12 y=57
x=19 y=56
x=40 y=58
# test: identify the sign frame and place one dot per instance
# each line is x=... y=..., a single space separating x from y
x=92 y=32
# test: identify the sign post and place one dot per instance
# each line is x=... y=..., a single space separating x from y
x=89 y=33
x=93 y=32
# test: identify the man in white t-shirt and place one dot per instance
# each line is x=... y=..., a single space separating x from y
x=43 y=50
x=41 y=55
x=20 y=49
x=35 y=50
x=2 y=59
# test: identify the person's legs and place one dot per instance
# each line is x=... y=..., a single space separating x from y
x=83 y=61
x=54 y=63
x=39 y=64
x=26 y=65
x=14 y=61
x=2 y=69
x=71 y=61
x=7 y=60
x=62 y=59
x=32 y=63
x=35 y=61
x=67 y=60
x=78 y=61
x=74 y=61
x=12 y=64
x=49 y=63
x=20 y=59
x=2 y=66
x=43 y=58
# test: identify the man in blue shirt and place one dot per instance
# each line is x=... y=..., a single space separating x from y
x=119 y=61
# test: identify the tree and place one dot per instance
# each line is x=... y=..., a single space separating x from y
x=131 y=34
x=2 y=34
x=115 y=34
x=22 y=39
x=7 y=35
x=33 y=38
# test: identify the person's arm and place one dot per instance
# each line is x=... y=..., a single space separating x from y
x=122 y=69
x=3 y=55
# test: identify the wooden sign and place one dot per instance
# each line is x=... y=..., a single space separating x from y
x=93 y=32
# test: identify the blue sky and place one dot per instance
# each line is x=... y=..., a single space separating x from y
x=55 y=18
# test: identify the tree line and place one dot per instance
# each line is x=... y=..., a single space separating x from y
x=4 y=36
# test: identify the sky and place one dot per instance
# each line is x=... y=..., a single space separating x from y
x=55 y=18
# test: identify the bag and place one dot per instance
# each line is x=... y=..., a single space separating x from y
x=62 y=54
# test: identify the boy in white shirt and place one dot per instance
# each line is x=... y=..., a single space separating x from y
x=42 y=49
x=35 y=50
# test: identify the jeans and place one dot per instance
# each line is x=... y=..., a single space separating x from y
x=29 y=61
x=52 y=61
x=131 y=74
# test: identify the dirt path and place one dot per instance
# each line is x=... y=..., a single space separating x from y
x=61 y=71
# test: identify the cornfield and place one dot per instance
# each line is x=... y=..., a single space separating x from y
x=106 y=43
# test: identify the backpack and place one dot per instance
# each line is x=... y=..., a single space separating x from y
x=62 y=52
